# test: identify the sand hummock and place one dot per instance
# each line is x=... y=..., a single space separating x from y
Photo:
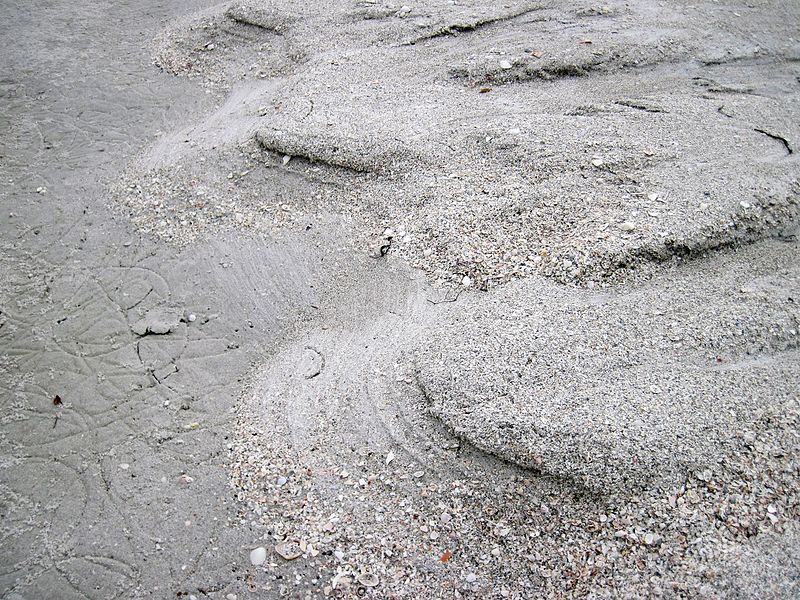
x=556 y=353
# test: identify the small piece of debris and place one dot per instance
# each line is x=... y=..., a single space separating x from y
x=288 y=550
x=367 y=579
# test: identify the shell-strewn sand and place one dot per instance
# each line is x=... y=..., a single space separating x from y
x=514 y=155
x=518 y=284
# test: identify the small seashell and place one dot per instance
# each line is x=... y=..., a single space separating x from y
x=287 y=551
x=258 y=556
x=368 y=579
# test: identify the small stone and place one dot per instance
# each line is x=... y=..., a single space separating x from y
x=505 y=65
x=445 y=517
x=389 y=457
x=231 y=597
x=495 y=551
x=124 y=466
x=514 y=131
x=466 y=281
x=597 y=161
x=627 y=226
x=419 y=474
x=286 y=160
x=191 y=318
x=649 y=538
x=186 y=479
x=281 y=481
x=744 y=204
x=258 y=556
x=339 y=554
x=652 y=197
x=471 y=578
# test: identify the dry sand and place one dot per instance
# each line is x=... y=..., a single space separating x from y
x=428 y=301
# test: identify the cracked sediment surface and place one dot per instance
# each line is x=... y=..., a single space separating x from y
x=431 y=301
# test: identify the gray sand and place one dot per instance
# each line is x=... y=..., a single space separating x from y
x=453 y=300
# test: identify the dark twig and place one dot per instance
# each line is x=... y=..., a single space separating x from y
x=777 y=137
x=384 y=250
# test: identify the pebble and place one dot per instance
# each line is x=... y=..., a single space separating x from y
x=467 y=281
x=471 y=578
x=744 y=204
x=192 y=317
x=258 y=556
x=505 y=65
x=445 y=517
x=389 y=457
x=597 y=161
x=627 y=226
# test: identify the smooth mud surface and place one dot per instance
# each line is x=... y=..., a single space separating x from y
x=354 y=299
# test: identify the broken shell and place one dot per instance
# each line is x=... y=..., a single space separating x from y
x=288 y=551
x=258 y=556
x=368 y=579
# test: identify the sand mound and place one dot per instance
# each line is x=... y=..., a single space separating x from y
x=583 y=144
x=613 y=390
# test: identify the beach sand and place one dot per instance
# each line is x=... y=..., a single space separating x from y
x=356 y=299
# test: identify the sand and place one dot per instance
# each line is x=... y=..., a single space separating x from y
x=428 y=301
